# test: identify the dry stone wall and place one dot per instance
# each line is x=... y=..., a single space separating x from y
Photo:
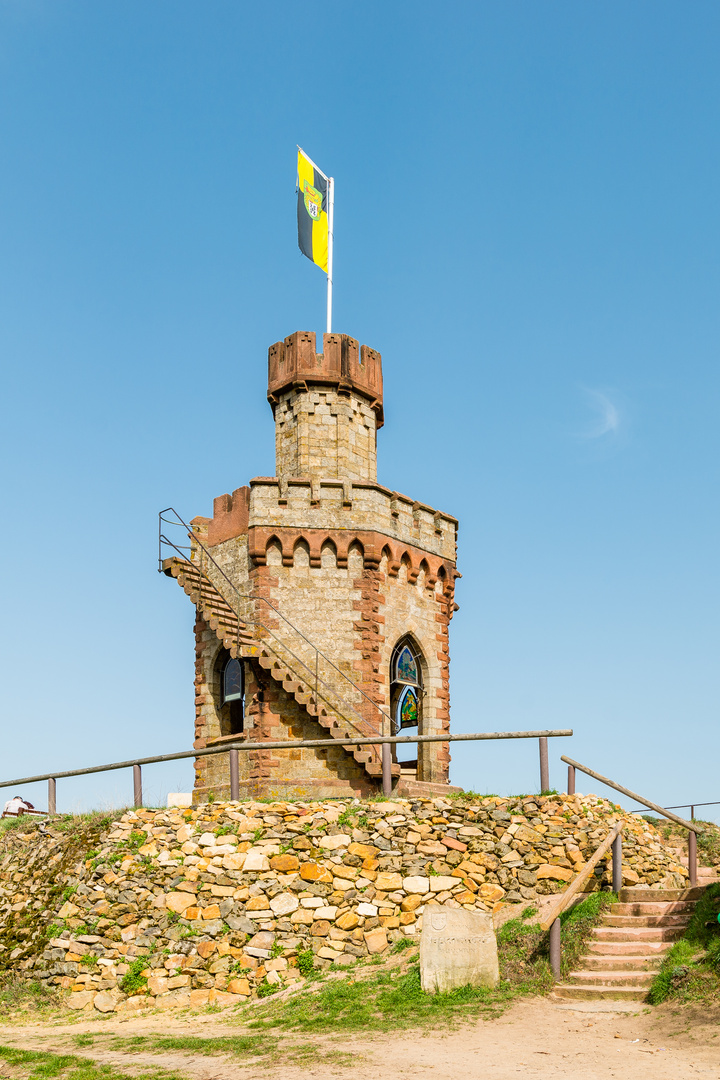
x=229 y=901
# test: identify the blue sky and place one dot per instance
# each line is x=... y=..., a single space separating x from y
x=527 y=228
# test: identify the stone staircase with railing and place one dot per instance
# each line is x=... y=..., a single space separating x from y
x=628 y=946
x=241 y=642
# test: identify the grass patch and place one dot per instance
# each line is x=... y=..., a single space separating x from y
x=19 y=993
x=690 y=970
x=241 y=1047
x=577 y=925
x=38 y=1064
x=238 y=1046
x=372 y=1000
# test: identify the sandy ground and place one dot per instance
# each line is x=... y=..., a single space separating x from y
x=534 y=1038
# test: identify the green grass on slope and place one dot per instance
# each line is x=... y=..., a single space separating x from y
x=392 y=999
x=691 y=969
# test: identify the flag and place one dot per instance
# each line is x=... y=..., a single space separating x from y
x=312 y=210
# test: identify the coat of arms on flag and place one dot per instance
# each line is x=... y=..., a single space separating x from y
x=313 y=200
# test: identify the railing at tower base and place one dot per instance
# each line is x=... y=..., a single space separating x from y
x=233 y=750
x=692 y=828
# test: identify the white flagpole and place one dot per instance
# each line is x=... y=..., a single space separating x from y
x=331 y=214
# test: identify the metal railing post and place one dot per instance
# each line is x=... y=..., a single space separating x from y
x=555 y=949
x=137 y=786
x=386 y=769
x=617 y=863
x=692 y=858
x=52 y=800
x=544 y=769
x=571 y=780
x=234 y=775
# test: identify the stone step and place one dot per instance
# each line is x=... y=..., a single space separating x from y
x=629 y=948
x=677 y=907
x=611 y=978
x=646 y=933
x=622 y=962
x=658 y=896
x=636 y=922
x=587 y=992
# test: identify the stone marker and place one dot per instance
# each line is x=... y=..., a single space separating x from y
x=457 y=948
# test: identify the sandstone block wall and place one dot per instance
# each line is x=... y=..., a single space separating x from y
x=323 y=557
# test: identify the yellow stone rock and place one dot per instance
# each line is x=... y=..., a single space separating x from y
x=239 y=986
x=411 y=902
x=556 y=873
x=347 y=921
x=179 y=901
x=376 y=940
x=490 y=892
x=363 y=851
x=310 y=871
x=284 y=863
x=212 y=911
x=388 y=882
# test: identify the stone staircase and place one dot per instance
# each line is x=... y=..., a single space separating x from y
x=628 y=946
x=242 y=642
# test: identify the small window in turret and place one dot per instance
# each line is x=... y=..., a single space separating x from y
x=232 y=696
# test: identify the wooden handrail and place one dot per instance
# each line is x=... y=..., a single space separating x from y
x=690 y=826
x=564 y=899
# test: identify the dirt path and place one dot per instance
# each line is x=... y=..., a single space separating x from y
x=534 y=1039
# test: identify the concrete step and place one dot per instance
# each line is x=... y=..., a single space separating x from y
x=587 y=992
x=623 y=962
x=611 y=978
x=646 y=933
x=636 y=922
x=629 y=948
x=658 y=896
x=677 y=907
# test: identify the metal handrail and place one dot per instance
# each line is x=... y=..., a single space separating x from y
x=233 y=748
x=162 y=539
x=551 y=920
x=690 y=805
x=691 y=827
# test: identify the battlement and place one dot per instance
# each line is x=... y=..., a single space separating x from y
x=343 y=365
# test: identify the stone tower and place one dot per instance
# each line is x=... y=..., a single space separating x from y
x=323 y=598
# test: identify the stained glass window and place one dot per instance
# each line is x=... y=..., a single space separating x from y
x=232 y=681
x=407 y=711
x=406 y=669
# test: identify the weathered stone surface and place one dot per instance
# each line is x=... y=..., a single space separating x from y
x=457 y=948
x=332 y=843
x=284 y=863
x=256 y=860
x=79 y=999
x=443 y=883
x=376 y=941
x=556 y=873
x=284 y=904
x=310 y=871
x=179 y=901
x=387 y=882
x=363 y=851
x=416 y=884
x=105 y=1001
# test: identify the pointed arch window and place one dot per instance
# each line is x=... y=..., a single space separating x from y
x=231 y=698
x=232 y=681
x=406 y=698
